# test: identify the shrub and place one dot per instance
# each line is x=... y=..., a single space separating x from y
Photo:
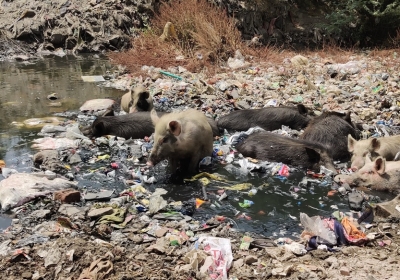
x=364 y=21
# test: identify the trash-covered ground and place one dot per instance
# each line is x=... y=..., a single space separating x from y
x=130 y=231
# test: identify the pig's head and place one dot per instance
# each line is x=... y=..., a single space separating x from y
x=361 y=149
x=140 y=100
x=367 y=176
x=321 y=157
x=165 y=138
x=98 y=127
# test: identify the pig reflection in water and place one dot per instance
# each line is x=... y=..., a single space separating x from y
x=277 y=148
x=379 y=175
x=183 y=138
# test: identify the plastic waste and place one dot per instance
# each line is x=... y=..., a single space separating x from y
x=220 y=260
x=317 y=227
x=296 y=248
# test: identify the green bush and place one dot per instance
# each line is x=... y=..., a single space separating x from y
x=368 y=22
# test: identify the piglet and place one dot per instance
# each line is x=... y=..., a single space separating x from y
x=136 y=100
x=378 y=174
x=183 y=138
x=386 y=147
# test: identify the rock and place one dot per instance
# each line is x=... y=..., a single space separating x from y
x=94 y=213
x=250 y=259
x=96 y=106
x=349 y=250
x=49 y=160
x=344 y=271
x=21 y=188
x=75 y=158
x=26 y=275
x=299 y=60
x=389 y=208
x=69 y=210
x=67 y=196
x=39 y=214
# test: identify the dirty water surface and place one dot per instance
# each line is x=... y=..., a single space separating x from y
x=24 y=89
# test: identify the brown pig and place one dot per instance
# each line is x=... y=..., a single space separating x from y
x=386 y=147
x=183 y=138
x=277 y=148
x=379 y=175
x=136 y=100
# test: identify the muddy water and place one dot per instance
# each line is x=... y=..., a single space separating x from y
x=24 y=88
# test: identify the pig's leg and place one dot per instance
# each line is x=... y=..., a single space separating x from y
x=173 y=165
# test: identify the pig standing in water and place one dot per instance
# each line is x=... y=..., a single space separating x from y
x=379 y=175
x=331 y=129
x=386 y=147
x=183 y=138
x=270 y=118
x=137 y=100
x=277 y=148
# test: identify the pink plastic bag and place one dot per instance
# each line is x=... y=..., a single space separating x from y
x=220 y=260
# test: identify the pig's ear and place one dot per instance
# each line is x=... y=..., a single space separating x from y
x=302 y=109
x=154 y=116
x=313 y=154
x=350 y=143
x=375 y=144
x=347 y=117
x=175 y=127
x=380 y=165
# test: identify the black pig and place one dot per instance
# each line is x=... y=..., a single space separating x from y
x=276 y=148
x=270 y=118
x=135 y=125
x=331 y=130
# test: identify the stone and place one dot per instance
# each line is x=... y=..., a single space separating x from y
x=344 y=271
x=96 y=106
x=389 y=208
x=250 y=259
x=67 y=196
x=39 y=214
x=94 y=213
x=299 y=60
x=26 y=275
x=69 y=210
x=75 y=158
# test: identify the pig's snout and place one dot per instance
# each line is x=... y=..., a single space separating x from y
x=149 y=163
x=354 y=169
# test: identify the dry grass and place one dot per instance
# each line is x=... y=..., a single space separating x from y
x=203 y=30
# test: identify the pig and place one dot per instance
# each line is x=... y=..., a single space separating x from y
x=135 y=125
x=331 y=129
x=386 y=147
x=273 y=147
x=137 y=100
x=270 y=118
x=183 y=138
x=378 y=174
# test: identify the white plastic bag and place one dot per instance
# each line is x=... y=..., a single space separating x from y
x=220 y=260
x=317 y=227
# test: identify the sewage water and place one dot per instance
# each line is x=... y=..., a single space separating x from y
x=24 y=88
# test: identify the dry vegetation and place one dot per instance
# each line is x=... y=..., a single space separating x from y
x=203 y=31
x=206 y=31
